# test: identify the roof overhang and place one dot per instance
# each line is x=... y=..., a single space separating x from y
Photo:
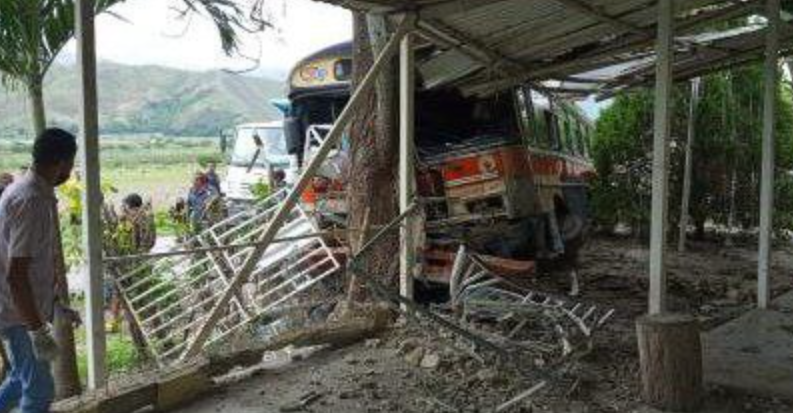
x=575 y=47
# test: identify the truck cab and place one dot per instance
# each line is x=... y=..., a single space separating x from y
x=258 y=155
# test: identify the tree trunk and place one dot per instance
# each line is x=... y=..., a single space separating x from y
x=35 y=89
x=374 y=147
x=670 y=354
x=64 y=368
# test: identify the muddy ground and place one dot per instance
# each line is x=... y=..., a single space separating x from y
x=416 y=369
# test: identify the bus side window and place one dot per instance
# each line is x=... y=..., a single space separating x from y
x=552 y=122
x=572 y=132
x=588 y=132
x=542 y=137
x=581 y=139
x=523 y=109
x=562 y=133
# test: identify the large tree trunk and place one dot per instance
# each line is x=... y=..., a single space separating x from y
x=64 y=368
x=670 y=356
x=374 y=147
x=35 y=90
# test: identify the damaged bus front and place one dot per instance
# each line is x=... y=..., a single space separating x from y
x=505 y=174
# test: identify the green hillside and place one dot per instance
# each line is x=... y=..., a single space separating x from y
x=145 y=99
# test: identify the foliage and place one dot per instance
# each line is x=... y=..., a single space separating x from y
x=260 y=190
x=71 y=194
x=726 y=153
x=121 y=354
x=33 y=32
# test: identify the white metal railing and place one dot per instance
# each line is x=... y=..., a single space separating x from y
x=170 y=296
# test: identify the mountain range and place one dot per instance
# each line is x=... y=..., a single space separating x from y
x=149 y=99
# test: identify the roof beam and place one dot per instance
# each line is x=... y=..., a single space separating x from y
x=598 y=14
x=447 y=7
x=449 y=37
x=610 y=52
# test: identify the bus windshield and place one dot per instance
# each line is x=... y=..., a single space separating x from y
x=274 y=150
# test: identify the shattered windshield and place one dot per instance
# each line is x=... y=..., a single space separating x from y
x=273 y=151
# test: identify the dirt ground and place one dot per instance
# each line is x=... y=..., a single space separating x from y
x=414 y=369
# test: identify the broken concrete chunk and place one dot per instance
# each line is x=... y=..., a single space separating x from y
x=415 y=356
x=430 y=361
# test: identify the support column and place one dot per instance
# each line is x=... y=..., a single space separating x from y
x=684 y=206
x=660 y=178
x=92 y=196
x=771 y=73
x=407 y=168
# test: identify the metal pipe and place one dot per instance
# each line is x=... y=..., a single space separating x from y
x=770 y=74
x=684 y=204
x=407 y=167
x=92 y=196
x=660 y=176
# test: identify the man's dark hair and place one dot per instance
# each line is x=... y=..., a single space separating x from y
x=133 y=201
x=54 y=145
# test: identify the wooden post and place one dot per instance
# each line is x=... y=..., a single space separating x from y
x=407 y=180
x=770 y=75
x=92 y=196
x=670 y=355
x=660 y=178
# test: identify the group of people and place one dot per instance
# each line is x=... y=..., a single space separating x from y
x=33 y=287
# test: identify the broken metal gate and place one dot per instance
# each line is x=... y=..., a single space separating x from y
x=170 y=297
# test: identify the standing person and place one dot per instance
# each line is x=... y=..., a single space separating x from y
x=29 y=277
x=197 y=200
x=213 y=180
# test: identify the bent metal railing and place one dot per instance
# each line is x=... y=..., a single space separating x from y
x=170 y=295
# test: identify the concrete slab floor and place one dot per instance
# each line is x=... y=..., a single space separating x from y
x=754 y=353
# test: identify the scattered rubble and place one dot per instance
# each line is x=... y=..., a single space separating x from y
x=389 y=374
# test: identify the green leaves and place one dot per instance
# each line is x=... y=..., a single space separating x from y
x=33 y=32
x=726 y=161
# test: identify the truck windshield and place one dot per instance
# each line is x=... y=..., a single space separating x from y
x=274 y=150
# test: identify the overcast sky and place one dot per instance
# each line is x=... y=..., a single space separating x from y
x=153 y=35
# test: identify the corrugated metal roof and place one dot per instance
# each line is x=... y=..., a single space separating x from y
x=498 y=43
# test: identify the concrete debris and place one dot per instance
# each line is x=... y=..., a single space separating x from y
x=415 y=356
x=305 y=400
x=430 y=361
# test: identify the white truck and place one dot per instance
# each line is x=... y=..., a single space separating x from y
x=258 y=151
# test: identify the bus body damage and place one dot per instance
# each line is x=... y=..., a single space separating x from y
x=505 y=174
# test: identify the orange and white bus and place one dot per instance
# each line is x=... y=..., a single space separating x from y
x=506 y=174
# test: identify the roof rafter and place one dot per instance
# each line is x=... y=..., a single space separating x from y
x=611 y=52
x=600 y=15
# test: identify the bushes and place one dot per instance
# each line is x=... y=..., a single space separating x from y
x=726 y=161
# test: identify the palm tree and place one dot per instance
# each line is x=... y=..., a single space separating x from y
x=32 y=33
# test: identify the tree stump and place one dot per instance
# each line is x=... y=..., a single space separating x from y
x=670 y=355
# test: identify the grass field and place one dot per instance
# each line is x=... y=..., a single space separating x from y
x=158 y=168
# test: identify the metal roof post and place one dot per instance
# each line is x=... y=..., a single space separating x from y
x=770 y=74
x=92 y=195
x=332 y=139
x=660 y=177
x=407 y=168
x=686 y=201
